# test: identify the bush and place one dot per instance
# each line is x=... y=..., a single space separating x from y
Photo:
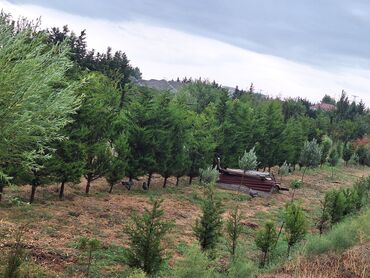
x=342 y=236
x=208 y=228
x=363 y=153
x=209 y=175
x=336 y=205
x=145 y=234
x=265 y=240
x=241 y=268
x=194 y=264
x=295 y=224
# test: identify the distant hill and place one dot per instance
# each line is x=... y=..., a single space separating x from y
x=172 y=86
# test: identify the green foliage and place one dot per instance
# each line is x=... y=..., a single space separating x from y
x=284 y=169
x=209 y=175
x=363 y=153
x=89 y=246
x=234 y=229
x=337 y=205
x=146 y=234
x=343 y=235
x=137 y=273
x=310 y=154
x=37 y=97
x=265 y=240
x=348 y=152
x=15 y=258
x=241 y=266
x=296 y=184
x=208 y=228
x=295 y=224
x=194 y=264
x=248 y=161
x=333 y=157
x=325 y=147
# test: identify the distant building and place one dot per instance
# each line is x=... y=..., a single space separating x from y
x=323 y=106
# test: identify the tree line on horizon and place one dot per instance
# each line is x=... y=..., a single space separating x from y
x=67 y=112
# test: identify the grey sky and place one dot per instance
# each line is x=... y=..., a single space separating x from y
x=325 y=32
x=304 y=48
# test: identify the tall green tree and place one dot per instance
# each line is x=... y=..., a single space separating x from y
x=66 y=164
x=265 y=240
x=37 y=99
x=310 y=155
x=93 y=125
x=208 y=227
x=295 y=224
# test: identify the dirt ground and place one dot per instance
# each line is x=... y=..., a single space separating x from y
x=52 y=227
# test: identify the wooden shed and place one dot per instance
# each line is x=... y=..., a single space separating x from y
x=259 y=181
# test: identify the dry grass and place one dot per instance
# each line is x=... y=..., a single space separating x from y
x=55 y=225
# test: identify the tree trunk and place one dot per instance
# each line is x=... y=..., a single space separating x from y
x=61 y=191
x=87 y=190
x=190 y=180
x=111 y=188
x=293 y=194
x=149 y=179
x=304 y=171
x=289 y=249
x=165 y=182
x=1 y=191
x=177 y=182
x=280 y=230
x=33 y=191
x=264 y=259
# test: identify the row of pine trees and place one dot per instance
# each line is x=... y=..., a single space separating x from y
x=68 y=112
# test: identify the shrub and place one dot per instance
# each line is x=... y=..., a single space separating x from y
x=209 y=175
x=295 y=224
x=241 y=267
x=248 y=161
x=342 y=236
x=310 y=155
x=194 y=264
x=233 y=229
x=89 y=246
x=208 y=228
x=348 y=152
x=15 y=258
x=336 y=205
x=363 y=153
x=145 y=235
x=137 y=273
x=265 y=240
x=296 y=184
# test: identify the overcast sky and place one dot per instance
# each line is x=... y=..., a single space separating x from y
x=286 y=48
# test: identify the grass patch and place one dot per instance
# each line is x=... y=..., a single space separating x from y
x=342 y=236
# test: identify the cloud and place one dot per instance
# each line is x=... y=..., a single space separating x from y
x=162 y=52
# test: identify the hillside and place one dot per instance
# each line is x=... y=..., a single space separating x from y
x=53 y=227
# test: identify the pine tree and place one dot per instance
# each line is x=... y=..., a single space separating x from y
x=208 y=228
x=310 y=155
x=93 y=126
x=325 y=146
x=37 y=97
x=66 y=164
x=266 y=240
x=295 y=224
x=146 y=234
x=333 y=160
x=348 y=151
x=234 y=229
